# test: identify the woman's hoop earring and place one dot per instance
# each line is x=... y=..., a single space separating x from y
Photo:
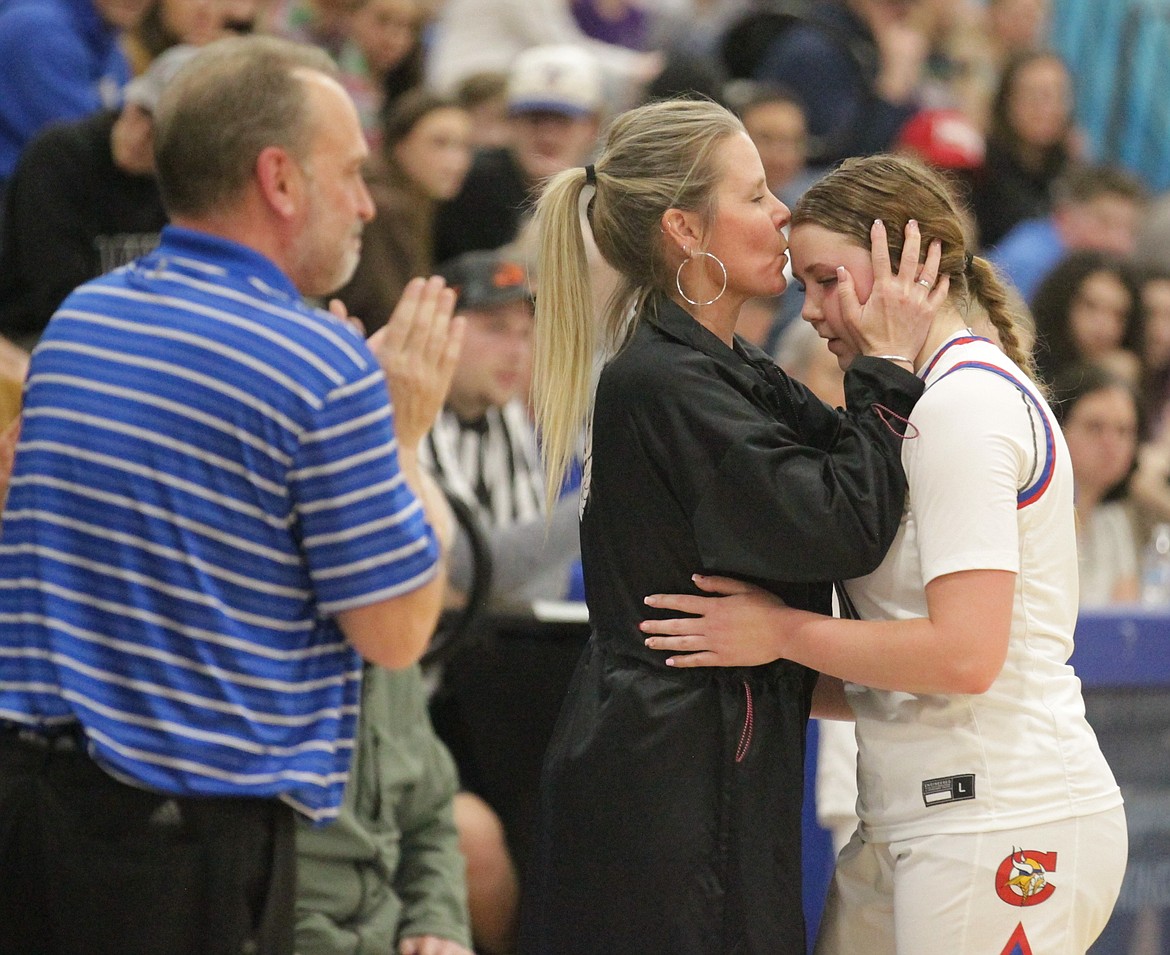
x=678 y=279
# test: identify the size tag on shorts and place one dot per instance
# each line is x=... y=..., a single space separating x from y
x=944 y=789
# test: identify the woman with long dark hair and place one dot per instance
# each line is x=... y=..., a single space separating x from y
x=425 y=154
x=1029 y=144
x=1087 y=310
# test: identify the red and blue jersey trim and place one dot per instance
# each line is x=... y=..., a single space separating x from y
x=1035 y=489
x=964 y=340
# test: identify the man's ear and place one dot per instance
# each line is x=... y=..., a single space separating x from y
x=682 y=229
x=281 y=180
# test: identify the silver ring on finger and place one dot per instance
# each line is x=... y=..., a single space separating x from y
x=925 y=283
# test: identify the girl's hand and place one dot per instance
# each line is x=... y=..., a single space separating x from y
x=740 y=626
x=901 y=307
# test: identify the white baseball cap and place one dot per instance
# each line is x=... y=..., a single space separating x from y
x=146 y=89
x=562 y=78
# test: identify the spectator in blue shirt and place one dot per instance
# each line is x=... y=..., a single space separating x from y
x=1096 y=207
x=62 y=60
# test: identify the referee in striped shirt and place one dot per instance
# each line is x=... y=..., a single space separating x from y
x=215 y=511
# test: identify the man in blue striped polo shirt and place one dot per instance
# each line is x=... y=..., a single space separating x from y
x=215 y=508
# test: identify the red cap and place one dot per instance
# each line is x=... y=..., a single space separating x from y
x=944 y=138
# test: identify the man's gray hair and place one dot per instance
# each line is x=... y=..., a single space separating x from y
x=237 y=97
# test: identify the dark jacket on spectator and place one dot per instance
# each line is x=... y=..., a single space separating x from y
x=71 y=214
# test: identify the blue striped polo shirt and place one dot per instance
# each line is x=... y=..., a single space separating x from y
x=207 y=473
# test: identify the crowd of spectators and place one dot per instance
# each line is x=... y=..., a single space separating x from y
x=468 y=106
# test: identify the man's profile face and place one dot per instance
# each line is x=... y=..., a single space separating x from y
x=337 y=202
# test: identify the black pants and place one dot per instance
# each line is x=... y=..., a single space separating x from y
x=92 y=866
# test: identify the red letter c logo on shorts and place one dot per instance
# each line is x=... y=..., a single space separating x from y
x=1022 y=878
